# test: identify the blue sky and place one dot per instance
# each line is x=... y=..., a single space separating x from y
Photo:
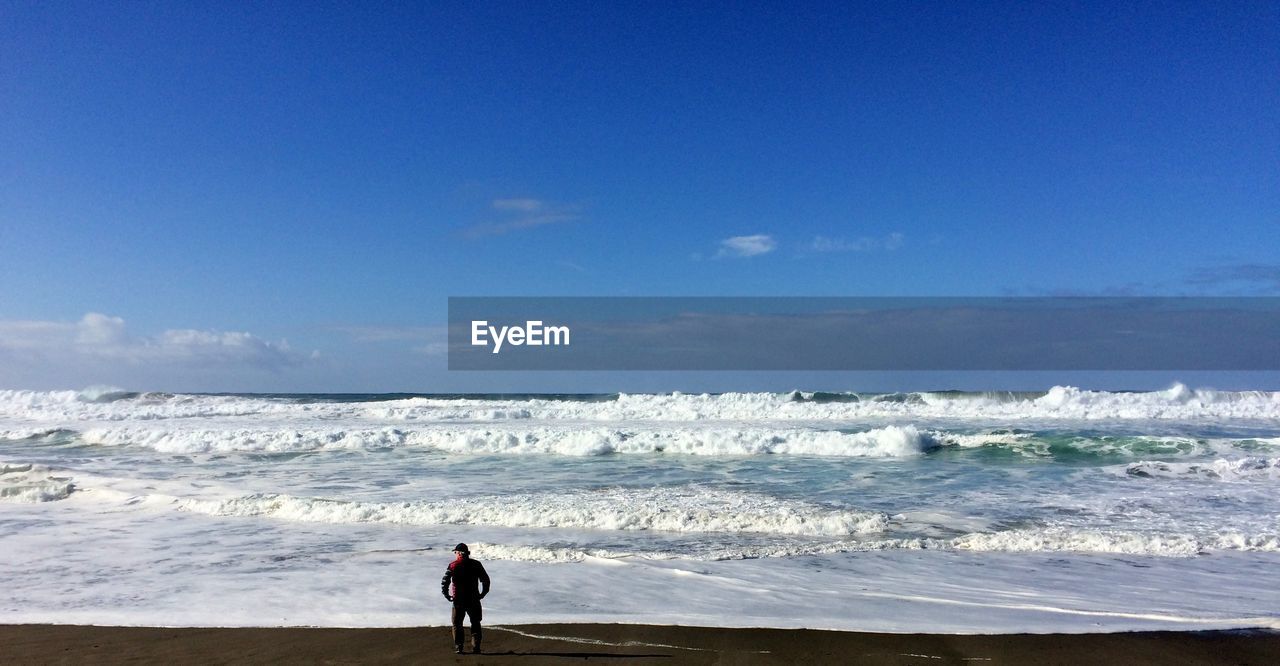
x=329 y=174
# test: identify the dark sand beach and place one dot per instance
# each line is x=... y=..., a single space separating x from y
x=621 y=644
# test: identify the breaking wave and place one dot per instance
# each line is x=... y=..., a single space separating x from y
x=890 y=441
x=1243 y=469
x=1044 y=540
x=682 y=522
x=583 y=440
x=657 y=509
x=1061 y=402
x=32 y=484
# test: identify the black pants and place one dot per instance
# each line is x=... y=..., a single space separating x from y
x=473 y=610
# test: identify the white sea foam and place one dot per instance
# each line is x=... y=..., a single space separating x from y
x=177 y=438
x=794 y=528
x=1032 y=540
x=972 y=440
x=889 y=441
x=27 y=433
x=566 y=554
x=1241 y=469
x=69 y=407
x=750 y=500
x=803 y=528
x=1052 y=540
x=1061 y=402
x=32 y=483
x=191 y=570
x=1041 y=541
x=682 y=509
x=588 y=439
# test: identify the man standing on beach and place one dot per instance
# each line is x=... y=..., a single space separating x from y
x=465 y=583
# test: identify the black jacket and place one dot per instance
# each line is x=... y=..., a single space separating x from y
x=465 y=580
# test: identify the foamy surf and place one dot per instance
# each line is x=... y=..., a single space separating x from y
x=32 y=483
x=303 y=508
x=1060 y=402
x=1240 y=470
x=885 y=442
x=686 y=509
x=588 y=440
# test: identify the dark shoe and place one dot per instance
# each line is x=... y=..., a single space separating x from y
x=459 y=649
x=475 y=650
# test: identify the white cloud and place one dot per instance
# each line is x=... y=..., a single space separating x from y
x=98 y=337
x=517 y=214
x=747 y=246
x=100 y=330
x=522 y=205
x=889 y=242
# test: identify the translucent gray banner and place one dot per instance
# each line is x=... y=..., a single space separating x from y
x=863 y=333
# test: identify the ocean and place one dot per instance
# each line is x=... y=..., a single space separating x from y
x=1065 y=510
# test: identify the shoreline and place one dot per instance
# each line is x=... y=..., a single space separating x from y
x=630 y=643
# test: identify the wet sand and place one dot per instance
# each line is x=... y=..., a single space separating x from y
x=620 y=644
